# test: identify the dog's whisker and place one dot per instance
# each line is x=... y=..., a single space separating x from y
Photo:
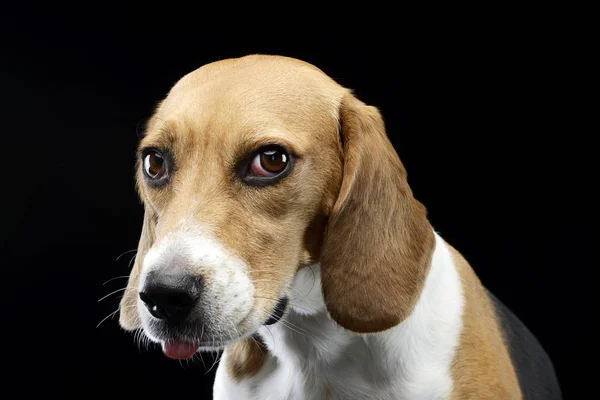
x=136 y=340
x=219 y=352
x=107 y=317
x=112 y=314
x=271 y=271
x=292 y=289
x=258 y=344
x=202 y=330
x=140 y=339
x=299 y=330
x=272 y=337
x=288 y=324
x=116 y=277
x=144 y=340
x=137 y=128
x=217 y=359
x=125 y=252
x=291 y=303
x=269 y=280
x=314 y=281
x=199 y=355
x=291 y=325
x=130 y=261
x=287 y=321
x=111 y=293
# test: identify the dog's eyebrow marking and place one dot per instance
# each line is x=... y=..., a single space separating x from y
x=161 y=138
x=252 y=140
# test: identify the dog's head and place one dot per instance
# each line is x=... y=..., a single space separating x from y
x=251 y=169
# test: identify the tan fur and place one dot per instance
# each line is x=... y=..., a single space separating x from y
x=246 y=357
x=482 y=368
x=378 y=243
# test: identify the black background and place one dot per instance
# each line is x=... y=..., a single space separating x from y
x=486 y=113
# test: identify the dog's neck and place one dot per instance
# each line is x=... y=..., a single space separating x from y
x=419 y=351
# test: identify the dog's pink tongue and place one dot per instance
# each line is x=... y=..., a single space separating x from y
x=179 y=350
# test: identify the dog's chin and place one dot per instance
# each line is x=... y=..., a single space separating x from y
x=180 y=346
x=182 y=349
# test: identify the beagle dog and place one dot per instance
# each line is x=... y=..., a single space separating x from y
x=280 y=227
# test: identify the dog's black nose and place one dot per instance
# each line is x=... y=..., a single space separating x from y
x=171 y=297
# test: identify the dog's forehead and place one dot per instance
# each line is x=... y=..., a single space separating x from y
x=271 y=75
x=253 y=88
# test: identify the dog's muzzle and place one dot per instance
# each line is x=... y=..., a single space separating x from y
x=175 y=301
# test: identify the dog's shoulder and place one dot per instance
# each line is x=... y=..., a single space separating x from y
x=498 y=357
x=532 y=364
x=482 y=366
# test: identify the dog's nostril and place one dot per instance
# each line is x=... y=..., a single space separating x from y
x=170 y=297
x=147 y=299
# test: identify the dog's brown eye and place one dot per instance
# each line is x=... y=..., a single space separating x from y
x=269 y=163
x=154 y=165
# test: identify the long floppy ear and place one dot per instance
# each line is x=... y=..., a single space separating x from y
x=378 y=243
x=128 y=314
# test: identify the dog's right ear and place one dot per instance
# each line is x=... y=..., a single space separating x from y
x=128 y=314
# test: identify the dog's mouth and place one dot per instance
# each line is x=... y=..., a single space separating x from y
x=181 y=348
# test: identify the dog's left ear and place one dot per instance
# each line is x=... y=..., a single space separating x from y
x=378 y=243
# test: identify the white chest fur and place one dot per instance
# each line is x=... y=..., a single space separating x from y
x=313 y=358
